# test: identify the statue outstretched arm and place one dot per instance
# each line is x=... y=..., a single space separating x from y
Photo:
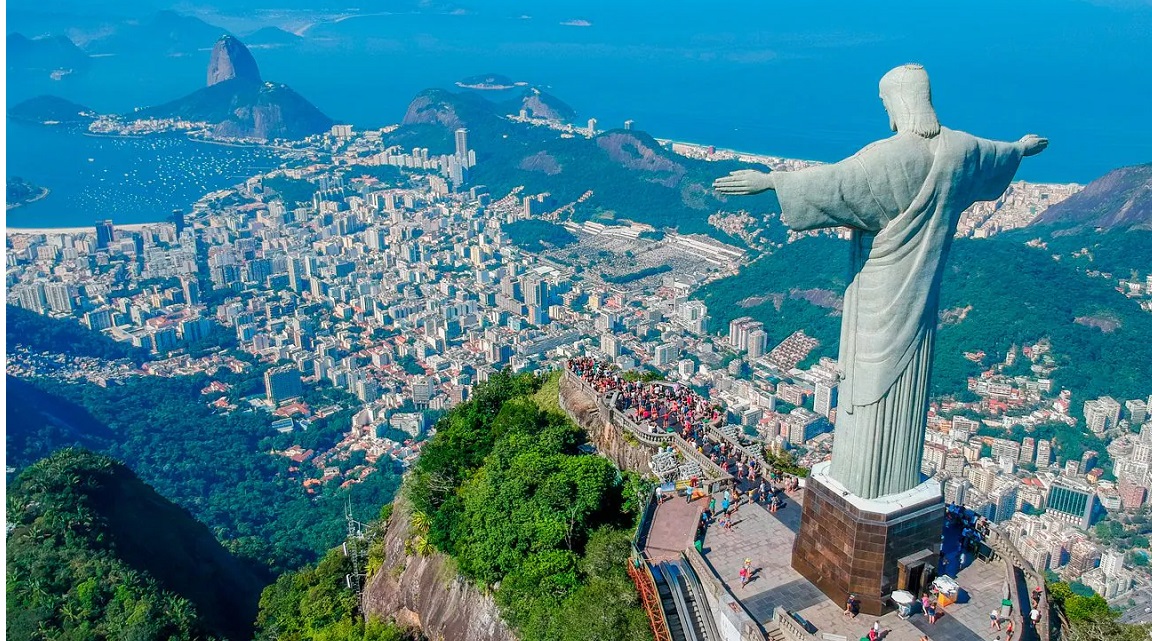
x=1032 y=144
x=744 y=182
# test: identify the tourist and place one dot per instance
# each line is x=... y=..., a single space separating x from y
x=1009 y=630
x=743 y=577
x=930 y=610
x=1035 y=616
x=852 y=606
x=995 y=617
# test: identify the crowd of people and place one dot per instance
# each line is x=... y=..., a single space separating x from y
x=674 y=408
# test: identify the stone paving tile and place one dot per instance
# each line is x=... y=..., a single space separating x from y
x=767 y=539
x=673 y=527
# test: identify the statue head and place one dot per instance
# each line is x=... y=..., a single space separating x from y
x=907 y=97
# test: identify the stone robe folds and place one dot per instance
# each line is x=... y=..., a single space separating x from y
x=902 y=197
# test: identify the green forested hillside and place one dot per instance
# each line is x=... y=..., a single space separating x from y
x=216 y=465
x=94 y=553
x=630 y=176
x=1017 y=295
x=315 y=604
x=503 y=489
x=42 y=333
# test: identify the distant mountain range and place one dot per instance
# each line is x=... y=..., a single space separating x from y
x=236 y=101
x=616 y=175
x=44 y=55
x=271 y=37
x=1119 y=200
x=162 y=33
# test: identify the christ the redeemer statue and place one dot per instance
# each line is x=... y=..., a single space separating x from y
x=902 y=198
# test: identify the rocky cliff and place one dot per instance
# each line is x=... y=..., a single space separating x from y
x=427 y=592
x=231 y=59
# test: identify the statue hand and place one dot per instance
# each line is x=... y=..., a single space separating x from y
x=744 y=182
x=1033 y=144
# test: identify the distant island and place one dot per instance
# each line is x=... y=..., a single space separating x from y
x=51 y=110
x=21 y=192
x=490 y=82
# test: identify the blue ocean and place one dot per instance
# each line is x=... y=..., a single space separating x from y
x=790 y=79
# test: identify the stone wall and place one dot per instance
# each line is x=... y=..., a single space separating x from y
x=583 y=407
x=428 y=593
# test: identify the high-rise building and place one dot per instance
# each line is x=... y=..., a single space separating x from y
x=825 y=398
x=757 y=343
x=1072 y=502
x=610 y=345
x=1102 y=414
x=693 y=315
x=1112 y=562
x=282 y=383
x=421 y=390
x=628 y=125
x=32 y=298
x=1136 y=410
x=1088 y=461
x=591 y=126
x=178 y=221
x=462 y=147
x=1083 y=556
x=191 y=289
x=963 y=427
x=686 y=368
x=665 y=354
x=1043 y=453
x=740 y=330
x=59 y=297
x=1028 y=450
x=802 y=425
x=1004 y=498
x=105 y=234
x=536 y=292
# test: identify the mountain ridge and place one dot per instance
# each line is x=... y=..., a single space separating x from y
x=89 y=536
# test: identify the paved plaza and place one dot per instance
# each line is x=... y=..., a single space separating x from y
x=766 y=539
x=673 y=527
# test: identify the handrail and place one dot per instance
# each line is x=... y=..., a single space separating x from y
x=712 y=471
x=791 y=627
x=697 y=589
x=1012 y=557
x=678 y=598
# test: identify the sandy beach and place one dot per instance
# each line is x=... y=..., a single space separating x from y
x=14 y=231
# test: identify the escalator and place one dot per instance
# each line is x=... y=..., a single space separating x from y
x=684 y=603
x=672 y=614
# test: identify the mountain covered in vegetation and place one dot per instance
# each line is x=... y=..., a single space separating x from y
x=51 y=110
x=504 y=490
x=1119 y=200
x=614 y=176
x=44 y=55
x=94 y=553
x=240 y=105
x=1009 y=293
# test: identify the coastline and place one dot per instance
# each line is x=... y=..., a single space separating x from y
x=44 y=191
x=16 y=231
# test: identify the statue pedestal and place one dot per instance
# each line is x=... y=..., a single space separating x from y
x=848 y=544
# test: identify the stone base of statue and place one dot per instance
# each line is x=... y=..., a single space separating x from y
x=850 y=545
